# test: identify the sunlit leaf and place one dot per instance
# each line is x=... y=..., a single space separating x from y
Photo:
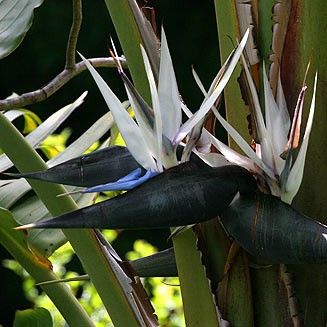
x=33 y=318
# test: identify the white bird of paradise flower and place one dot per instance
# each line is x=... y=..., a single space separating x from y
x=153 y=138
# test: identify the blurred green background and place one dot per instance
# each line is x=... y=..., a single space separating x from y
x=191 y=32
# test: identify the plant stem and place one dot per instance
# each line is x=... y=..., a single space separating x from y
x=54 y=85
x=73 y=35
x=198 y=300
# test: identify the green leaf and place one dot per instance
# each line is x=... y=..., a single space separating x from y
x=199 y=306
x=7 y=225
x=92 y=257
x=40 y=269
x=15 y=20
x=38 y=317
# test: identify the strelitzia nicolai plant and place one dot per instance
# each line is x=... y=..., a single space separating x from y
x=274 y=188
x=154 y=148
x=239 y=159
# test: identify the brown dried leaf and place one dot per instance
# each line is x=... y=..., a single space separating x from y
x=246 y=18
x=281 y=13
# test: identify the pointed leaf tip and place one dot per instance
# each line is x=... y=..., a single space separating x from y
x=24 y=227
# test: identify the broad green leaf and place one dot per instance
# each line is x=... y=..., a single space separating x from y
x=13 y=191
x=192 y=272
x=7 y=225
x=91 y=256
x=40 y=269
x=33 y=318
x=15 y=20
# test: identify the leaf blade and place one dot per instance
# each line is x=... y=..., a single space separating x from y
x=15 y=20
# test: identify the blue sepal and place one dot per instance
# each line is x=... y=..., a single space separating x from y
x=125 y=183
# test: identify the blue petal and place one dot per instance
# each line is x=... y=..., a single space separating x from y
x=136 y=173
x=127 y=182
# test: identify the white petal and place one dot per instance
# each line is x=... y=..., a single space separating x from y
x=265 y=141
x=281 y=103
x=128 y=128
x=275 y=126
x=295 y=177
x=206 y=106
x=170 y=103
x=45 y=129
x=155 y=106
x=233 y=156
x=243 y=144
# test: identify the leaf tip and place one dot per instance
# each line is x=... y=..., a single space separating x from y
x=24 y=227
